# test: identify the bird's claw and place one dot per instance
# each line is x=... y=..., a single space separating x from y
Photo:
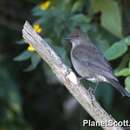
x=92 y=94
x=91 y=90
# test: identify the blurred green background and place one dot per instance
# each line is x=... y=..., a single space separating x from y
x=31 y=97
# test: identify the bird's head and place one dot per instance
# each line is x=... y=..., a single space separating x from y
x=77 y=37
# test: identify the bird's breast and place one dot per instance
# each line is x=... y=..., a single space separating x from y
x=79 y=68
x=85 y=70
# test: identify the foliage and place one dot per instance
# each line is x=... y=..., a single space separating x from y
x=68 y=14
x=109 y=14
x=32 y=93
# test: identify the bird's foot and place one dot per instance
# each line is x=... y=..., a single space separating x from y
x=90 y=90
x=92 y=94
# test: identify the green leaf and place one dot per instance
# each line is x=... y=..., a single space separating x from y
x=20 y=42
x=129 y=64
x=110 y=15
x=23 y=56
x=124 y=72
x=38 y=12
x=77 y=6
x=62 y=53
x=123 y=63
x=127 y=83
x=116 y=50
x=35 y=60
x=101 y=41
x=127 y=40
x=81 y=20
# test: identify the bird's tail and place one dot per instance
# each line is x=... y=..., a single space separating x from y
x=119 y=87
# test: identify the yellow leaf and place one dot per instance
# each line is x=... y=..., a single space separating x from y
x=37 y=28
x=30 y=48
x=45 y=5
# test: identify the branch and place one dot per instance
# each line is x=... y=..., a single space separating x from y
x=67 y=77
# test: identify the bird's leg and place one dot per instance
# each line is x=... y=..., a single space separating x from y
x=91 y=91
x=85 y=78
x=94 y=91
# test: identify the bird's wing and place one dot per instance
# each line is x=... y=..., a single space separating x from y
x=90 y=56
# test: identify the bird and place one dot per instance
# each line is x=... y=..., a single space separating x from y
x=89 y=62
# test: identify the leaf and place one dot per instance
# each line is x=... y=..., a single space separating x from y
x=23 y=56
x=35 y=60
x=127 y=83
x=38 y=12
x=127 y=40
x=20 y=42
x=116 y=50
x=123 y=63
x=110 y=15
x=63 y=54
x=129 y=64
x=123 y=72
x=77 y=6
x=81 y=20
x=101 y=41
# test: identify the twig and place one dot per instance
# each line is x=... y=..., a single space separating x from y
x=67 y=77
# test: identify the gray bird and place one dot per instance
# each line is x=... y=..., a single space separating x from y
x=90 y=63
